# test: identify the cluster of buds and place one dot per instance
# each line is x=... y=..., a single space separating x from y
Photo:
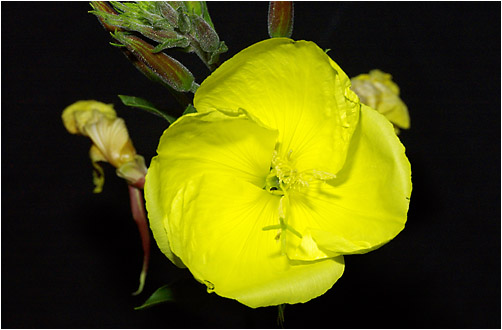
x=111 y=142
x=180 y=25
x=377 y=90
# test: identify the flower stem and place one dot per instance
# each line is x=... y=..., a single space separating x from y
x=139 y=215
x=280 y=315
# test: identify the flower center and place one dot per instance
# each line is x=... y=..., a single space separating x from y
x=282 y=178
x=273 y=183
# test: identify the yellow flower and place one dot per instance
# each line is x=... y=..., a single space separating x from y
x=280 y=173
x=111 y=142
x=377 y=90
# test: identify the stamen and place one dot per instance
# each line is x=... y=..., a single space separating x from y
x=282 y=178
x=289 y=154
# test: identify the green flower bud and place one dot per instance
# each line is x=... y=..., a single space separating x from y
x=169 y=70
x=184 y=25
x=168 y=12
x=199 y=8
x=194 y=7
x=280 y=19
x=206 y=36
x=103 y=10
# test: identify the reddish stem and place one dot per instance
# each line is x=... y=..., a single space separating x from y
x=139 y=215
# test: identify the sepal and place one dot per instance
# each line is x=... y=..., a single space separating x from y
x=133 y=172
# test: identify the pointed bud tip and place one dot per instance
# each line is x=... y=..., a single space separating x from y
x=166 y=68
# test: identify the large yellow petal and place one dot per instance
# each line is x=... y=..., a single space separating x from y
x=197 y=144
x=212 y=142
x=155 y=205
x=293 y=87
x=365 y=206
x=216 y=229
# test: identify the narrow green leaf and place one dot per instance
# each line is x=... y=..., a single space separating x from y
x=205 y=14
x=163 y=294
x=143 y=104
x=189 y=109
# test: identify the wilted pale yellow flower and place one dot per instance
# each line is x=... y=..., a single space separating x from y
x=377 y=90
x=111 y=142
x=80 y=113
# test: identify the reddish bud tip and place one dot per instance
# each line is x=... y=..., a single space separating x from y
x=280 y=19
x=163 y=66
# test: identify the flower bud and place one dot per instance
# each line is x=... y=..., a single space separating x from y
x=168 y=12
x=194 y=7
x=199 y=8
x=280 y=19
x=169 y=70
x=206 y=36
x=101 y=9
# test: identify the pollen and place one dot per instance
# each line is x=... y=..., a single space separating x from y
x=283 y=176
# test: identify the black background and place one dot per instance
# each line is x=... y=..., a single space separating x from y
x=71 y=258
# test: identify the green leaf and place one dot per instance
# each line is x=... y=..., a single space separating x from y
x=205 y=14
x=143 y=104
x=163 y=294
x=189 y=109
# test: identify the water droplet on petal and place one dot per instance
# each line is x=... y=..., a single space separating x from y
x=210 y=286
